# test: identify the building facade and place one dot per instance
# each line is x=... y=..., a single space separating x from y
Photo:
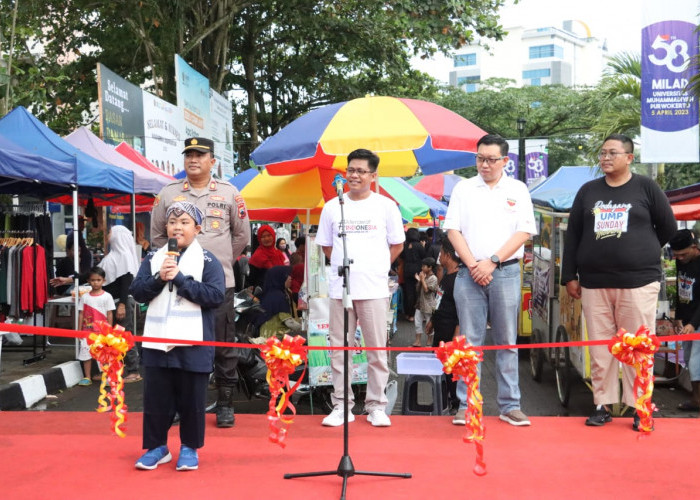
x=539 y=56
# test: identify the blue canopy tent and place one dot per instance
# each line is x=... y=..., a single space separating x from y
x=24 y=172
x=91 y=175
x=559 y=189
x=87 y=174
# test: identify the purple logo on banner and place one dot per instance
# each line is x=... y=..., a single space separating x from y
x=536 y=166
x=511 y=168
x=667 y=48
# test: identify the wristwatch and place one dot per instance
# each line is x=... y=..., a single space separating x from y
x=496 y=260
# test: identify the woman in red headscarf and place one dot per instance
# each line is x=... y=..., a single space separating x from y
x=265 y=256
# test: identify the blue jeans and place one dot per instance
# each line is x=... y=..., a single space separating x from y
x=499 y=303
x=691 y=354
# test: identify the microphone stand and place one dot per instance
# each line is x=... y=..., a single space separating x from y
x=345 y=468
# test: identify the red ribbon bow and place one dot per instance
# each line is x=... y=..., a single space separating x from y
x=282 y=357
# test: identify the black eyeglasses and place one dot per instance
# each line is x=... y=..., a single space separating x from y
x=358 y=171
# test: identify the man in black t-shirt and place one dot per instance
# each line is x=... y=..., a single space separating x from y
x=687 y=255
x=612 y=262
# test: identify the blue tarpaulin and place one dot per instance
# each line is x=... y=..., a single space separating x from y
x=92 y=175
x=559 y=189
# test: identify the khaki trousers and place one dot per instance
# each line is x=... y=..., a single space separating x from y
x=606 y=311
x=371 y=315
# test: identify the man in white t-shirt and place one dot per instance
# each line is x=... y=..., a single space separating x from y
x=488 y=220
x=374 y=239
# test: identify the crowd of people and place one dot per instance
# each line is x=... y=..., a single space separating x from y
x=463 y=280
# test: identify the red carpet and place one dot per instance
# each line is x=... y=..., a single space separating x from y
x=74 y=455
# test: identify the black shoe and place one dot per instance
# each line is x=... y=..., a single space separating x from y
x=637 y=422
x=600 y=417
x=225 y=417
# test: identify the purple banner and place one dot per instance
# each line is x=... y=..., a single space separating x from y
x=668 y=47
x=511 y=168
x=536 y=166
x=669 y=114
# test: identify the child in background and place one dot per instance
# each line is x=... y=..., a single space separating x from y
x=176 y=375
x=96 y=305
x=427 y=285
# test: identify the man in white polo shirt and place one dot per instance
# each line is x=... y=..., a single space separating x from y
x=489 y=219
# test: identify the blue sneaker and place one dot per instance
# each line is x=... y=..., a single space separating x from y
x=153 y=458
x=188 y=459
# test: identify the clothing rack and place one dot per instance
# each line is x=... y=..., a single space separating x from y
x=27 y=237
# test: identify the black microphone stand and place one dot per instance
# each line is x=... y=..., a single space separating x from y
x=345 y=468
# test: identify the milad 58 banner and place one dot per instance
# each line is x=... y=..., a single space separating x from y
x=669 y=113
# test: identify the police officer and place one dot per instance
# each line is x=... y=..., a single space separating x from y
x=225 y=233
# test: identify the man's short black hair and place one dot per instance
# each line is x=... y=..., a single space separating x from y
x=683 y=239
x=365 y=154
x=491 y=139
x=626 y=141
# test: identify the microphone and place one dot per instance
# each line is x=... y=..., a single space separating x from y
x=339 y=181
x=174 y=253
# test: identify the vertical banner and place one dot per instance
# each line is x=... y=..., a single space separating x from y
x=192 y=97
x=221 y=132
x=536 y=160
x=165 y=133
x=511 y=168
x=669 y=114
x=121 y=109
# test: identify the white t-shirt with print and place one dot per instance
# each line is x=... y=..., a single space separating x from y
x=371 y=226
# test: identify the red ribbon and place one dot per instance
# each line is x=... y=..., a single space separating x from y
x=638 y=350
x=461 y=360
x=282 y=357
x=108 y=346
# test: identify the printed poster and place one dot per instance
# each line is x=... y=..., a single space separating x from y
x=164 y=133
x=192 y=97
x=121 y=109
x=669 y=113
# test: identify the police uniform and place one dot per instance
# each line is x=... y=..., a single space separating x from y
x=225 y=233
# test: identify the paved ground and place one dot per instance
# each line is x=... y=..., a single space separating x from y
x=538 y=399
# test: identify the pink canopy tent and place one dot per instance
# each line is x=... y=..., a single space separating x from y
x=126 y=150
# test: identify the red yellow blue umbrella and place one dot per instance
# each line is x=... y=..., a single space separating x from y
x=405 y=133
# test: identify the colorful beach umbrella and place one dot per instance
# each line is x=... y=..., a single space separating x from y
x=413 y=205
x=437 y=186
x=283 y=198
x=405 y=133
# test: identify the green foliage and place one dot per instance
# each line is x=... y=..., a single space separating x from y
x=564 y=115
x=285 y=56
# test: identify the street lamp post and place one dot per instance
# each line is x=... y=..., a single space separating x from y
x=521 y=148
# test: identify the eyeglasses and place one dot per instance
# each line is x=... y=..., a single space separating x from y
x=611 y=154
x=358 y=171
x=488 y=161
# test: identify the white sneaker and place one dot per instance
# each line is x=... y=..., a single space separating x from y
x=335 y=418
x=378 y=418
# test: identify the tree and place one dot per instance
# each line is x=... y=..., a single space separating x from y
x=288 y=56
x=564 y=115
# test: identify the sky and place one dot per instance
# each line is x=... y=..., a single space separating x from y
x=619 y=22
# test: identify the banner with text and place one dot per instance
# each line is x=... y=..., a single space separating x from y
x=669 y=113
x=221 y=132
x=536 y=160
x=192 y=97
x=165 y=133
x=121 y=109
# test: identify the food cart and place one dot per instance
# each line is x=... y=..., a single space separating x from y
x=556 y=317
